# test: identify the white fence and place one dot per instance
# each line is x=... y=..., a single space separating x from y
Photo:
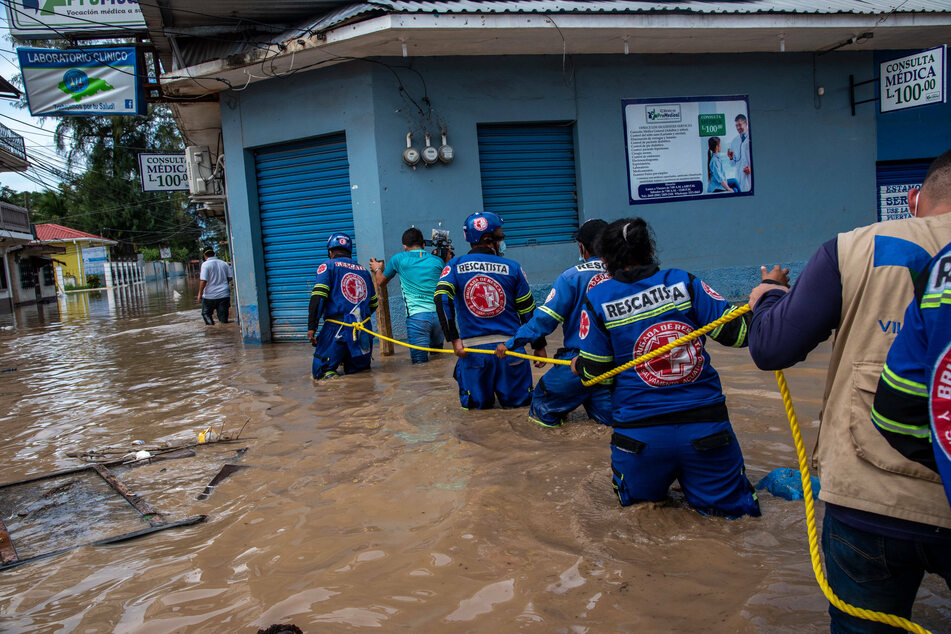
x=162 y=270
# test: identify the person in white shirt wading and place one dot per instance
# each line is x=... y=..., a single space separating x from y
x=214 y=291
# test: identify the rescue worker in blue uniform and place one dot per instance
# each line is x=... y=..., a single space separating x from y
x=669 y=415
x=560 y=391
x=343 y=291
x=918 y=368
x=481 y=299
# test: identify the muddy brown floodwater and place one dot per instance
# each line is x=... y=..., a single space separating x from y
x=372 y=502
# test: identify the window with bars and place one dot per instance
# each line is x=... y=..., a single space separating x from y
x=27 y=274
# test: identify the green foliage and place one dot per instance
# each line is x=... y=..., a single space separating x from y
x=150 y=254
x=107 y=198
x=181 y=255
x=93 y=281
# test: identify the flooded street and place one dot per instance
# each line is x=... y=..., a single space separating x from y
x=372 y=501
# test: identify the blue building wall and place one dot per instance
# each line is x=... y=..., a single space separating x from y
x=814 y=164
x=916 y=133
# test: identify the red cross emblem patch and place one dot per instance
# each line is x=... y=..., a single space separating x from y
x=584 y=324
x=353 y=287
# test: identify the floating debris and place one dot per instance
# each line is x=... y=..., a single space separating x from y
x=225 y=471
x=156 y=520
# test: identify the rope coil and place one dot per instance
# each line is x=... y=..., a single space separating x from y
x=862 y=613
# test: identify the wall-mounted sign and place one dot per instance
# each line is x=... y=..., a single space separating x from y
x=52 y=19
x=894 y=179
x=687 y=148
x=913 y=80
x=163 y=172
x=95 y=254
x=94 y=260
x=893 y=201
x=92 y=81
x=165 y=253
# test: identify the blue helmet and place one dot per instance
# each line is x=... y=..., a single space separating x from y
x=340 y=241
x=479 y=224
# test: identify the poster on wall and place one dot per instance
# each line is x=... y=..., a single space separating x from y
x=914 y=80
x=687 y=148
x=163 y=172
x=94 y=81
x=53 y=19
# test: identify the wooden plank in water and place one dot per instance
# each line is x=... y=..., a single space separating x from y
x=8 y=553
x=137 y=502
x=383 y=318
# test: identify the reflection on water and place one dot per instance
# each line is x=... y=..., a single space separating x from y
x=373 y=501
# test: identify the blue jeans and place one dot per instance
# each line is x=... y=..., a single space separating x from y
x=423 y=329
x=876 y=572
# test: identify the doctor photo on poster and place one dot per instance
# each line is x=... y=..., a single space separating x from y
x=716 y=174
x=739 y=153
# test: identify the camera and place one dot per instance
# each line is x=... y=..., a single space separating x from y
x=441 y=243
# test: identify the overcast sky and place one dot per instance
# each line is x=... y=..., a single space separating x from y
x=40 y=149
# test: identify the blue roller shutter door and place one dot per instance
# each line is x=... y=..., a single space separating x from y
x=303 y=197
x=528 y=178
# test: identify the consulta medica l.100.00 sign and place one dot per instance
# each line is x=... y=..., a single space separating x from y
x=914 y=80
x=54 y=19
x=99 y=81
x=163 y=172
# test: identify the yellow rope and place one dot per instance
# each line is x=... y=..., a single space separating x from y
x=360 y=326
x=868 y=615
x=862 y=613
x=696 y=334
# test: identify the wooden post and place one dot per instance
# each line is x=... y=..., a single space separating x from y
x=383 y=318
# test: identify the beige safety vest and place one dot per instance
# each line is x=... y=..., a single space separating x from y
x=857 y=466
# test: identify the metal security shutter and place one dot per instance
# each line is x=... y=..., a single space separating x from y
x=528 y=178
x=303 y=197
x=894 y=179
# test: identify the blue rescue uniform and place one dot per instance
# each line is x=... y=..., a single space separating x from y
x=918 y=368
x=342 y=291
x=669 y=415
x=560 y=391
x=482 y=298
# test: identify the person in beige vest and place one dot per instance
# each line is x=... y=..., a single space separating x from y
x=887 y=520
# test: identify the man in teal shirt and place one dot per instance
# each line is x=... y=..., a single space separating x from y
x=419 y=273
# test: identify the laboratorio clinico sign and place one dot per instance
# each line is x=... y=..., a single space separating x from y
x=52 y=19
x=914 y=80
x=84 y=82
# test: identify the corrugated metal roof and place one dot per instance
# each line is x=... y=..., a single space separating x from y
x=736 y=7
x=195 y=50
x=687 y=6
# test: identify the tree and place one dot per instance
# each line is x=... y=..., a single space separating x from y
x=107 y=198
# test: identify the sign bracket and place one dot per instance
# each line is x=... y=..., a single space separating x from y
x=853 y=85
